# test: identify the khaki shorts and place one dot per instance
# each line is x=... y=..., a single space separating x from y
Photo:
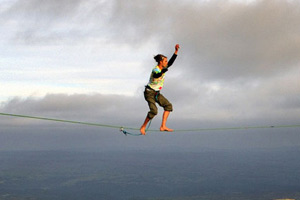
x=153 y=97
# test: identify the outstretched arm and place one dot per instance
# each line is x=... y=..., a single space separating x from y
x=171 y=61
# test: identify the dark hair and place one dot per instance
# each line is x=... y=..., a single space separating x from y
x=159 y=57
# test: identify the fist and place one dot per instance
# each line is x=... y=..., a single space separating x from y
x=177 y=47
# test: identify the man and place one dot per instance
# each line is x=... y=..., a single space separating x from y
x=152 y=91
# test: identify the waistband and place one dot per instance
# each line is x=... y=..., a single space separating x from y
x=147 y=87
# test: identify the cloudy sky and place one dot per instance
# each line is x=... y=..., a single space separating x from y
x=88 y=60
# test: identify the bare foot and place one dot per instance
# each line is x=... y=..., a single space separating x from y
x=166 y=129
x=143 y=130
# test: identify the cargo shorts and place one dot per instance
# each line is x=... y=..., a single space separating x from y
x=153 y=97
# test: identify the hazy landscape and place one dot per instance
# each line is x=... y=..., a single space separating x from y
x=207 y=174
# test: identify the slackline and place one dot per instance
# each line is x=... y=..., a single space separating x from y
x=122 y=128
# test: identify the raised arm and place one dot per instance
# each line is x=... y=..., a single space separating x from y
x=174 y=56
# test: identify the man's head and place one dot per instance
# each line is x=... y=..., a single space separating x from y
x=161 y=60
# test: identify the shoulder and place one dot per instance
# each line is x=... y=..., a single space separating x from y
x=156 y=70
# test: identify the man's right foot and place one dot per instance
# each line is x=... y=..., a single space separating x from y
x=143 y=130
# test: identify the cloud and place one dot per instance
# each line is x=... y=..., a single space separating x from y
x=209 y=105
x=99 y=108
x=45 y=22
x=264 y=101
x=225 y=40
x=221 y=40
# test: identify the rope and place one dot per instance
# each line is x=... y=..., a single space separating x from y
x=236 y=128
x=122 y=128
x=66 y=121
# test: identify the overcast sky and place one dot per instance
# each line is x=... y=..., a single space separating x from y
x=238 y=65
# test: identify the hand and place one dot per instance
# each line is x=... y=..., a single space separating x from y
x=176 y=48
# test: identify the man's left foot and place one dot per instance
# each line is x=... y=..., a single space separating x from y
x=166 y=129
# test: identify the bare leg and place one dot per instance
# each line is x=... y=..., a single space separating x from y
x=164 y=121
x=143 y=127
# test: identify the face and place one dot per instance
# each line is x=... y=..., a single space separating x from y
x=164 y=62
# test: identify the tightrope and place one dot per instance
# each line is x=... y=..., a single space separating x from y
x=237 y=128
x=124 y=128
x=67 y=121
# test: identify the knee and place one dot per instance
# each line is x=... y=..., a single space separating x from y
x=152 y=113
x=168 y=107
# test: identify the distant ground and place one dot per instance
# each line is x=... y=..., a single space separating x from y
x=209 y=175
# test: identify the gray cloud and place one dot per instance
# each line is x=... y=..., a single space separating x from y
x=47 y=22
x=225 y=40
x=98 y=108
x=261 y=103
x=221 y=40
